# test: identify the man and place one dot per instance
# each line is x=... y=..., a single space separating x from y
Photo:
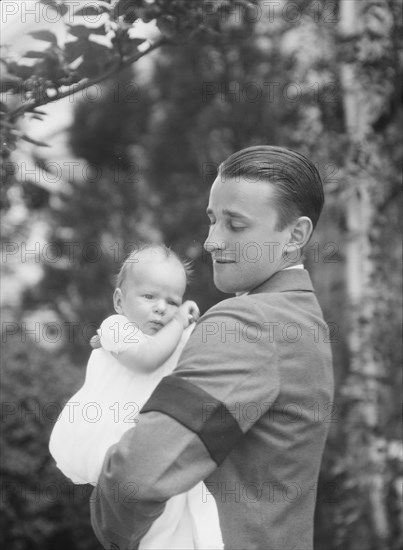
x=240 y=411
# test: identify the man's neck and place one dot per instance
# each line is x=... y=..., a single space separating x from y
x=296 y=266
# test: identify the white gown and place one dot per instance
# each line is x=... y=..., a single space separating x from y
x=102 y=411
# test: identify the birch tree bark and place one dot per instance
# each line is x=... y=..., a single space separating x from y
x=365 y=28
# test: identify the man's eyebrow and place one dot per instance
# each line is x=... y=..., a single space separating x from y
x=227 y=212
x=234 y=214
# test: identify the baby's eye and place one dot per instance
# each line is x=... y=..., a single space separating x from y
x=148 y=296
x=172 y=303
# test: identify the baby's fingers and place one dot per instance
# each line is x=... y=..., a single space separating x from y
x=95 y=342
x=194 y=310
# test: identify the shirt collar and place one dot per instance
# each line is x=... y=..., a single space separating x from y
x=299 y=266
x=282 y=282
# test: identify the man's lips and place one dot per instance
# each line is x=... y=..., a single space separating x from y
x=221 y=261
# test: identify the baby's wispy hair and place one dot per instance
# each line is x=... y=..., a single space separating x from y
x=131 y=261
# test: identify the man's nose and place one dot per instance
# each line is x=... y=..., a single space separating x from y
x=213 y=243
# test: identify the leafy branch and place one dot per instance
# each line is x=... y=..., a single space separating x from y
x=83 y=84
x=100 y=46
x=100 y=43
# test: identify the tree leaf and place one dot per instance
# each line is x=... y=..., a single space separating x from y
x=47 y=36
x=10 y=82
x=81 y=31
x=39 y=55
x=4 y=109
x=95 y=57
x=134 y=42
x=92 y=11
x=122 y=7
x=167 y=25
x=130 y=47
x=60 y=8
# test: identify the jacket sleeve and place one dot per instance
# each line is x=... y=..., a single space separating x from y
x=193 y=419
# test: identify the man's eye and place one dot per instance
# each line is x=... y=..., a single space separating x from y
x=237 y=227
x=171 y=303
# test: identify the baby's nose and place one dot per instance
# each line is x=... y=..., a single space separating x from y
x=160 y=306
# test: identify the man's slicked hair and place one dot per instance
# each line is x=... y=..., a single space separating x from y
x=296 y=183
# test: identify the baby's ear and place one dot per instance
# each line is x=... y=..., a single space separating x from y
x=118 y=300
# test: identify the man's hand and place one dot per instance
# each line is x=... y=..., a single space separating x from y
x=95 y=342
x=188 y=313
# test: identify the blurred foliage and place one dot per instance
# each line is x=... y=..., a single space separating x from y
x=99 y=43
x=151 y=157
x=40 y=508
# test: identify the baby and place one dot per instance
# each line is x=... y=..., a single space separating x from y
x=140 y=345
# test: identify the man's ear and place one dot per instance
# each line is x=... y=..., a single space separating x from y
x=118 y=301
x=301 y=232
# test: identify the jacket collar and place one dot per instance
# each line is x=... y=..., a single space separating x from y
x=286 y=281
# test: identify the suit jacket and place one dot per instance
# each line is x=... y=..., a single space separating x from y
x=247 y=410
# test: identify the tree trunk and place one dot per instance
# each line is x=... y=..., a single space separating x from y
x=365 y=453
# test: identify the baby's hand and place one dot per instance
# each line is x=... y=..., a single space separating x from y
x=187 y=313
x=95 y=342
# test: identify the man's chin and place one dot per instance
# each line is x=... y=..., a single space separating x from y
x=226 y=286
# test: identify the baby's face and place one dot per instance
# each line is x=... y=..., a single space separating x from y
x=152 y=291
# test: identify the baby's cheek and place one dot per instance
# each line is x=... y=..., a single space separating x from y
x=171 y=310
